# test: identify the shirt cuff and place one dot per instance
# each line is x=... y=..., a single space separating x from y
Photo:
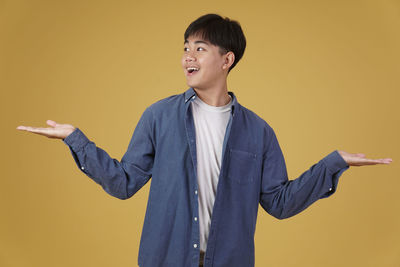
x=76 y=140
x=335 y=162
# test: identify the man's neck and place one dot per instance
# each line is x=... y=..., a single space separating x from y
x=214 y=97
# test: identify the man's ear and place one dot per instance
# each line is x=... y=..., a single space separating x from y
x=229 y=59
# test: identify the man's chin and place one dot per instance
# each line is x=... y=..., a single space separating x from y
x=199 y=88
x=194 y=85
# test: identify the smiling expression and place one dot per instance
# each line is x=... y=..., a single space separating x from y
x=203 y=64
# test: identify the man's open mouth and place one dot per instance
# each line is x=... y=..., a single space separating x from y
x=191 y=70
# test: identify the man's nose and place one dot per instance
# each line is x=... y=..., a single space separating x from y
x=190 y=57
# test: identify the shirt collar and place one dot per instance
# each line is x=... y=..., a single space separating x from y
x=191 y=92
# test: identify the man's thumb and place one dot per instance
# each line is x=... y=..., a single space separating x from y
x=51 y=123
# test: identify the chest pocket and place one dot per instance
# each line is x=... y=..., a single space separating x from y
x=242 y=164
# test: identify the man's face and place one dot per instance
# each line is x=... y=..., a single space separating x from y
x=203 y=64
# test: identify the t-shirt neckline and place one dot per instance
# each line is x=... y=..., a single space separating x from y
x=208 y=107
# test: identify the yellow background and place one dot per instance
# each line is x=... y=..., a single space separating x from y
x=324 y=74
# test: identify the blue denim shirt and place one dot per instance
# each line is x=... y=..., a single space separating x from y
x=253 y=171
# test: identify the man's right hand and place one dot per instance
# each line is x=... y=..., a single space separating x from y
x=58 y=131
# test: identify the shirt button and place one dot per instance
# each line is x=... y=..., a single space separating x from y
x=82 y=168
x=195 y=192
x=195 y=218
x=330 y=189
x=195 y=245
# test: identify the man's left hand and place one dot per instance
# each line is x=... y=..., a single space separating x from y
x=359 y=159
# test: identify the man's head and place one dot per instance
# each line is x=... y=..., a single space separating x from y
x=222 y=32
x=213 y=46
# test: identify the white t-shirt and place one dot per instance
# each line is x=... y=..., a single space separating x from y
x=210 y=124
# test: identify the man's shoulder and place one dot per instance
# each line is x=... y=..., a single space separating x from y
x=170 y=102
x=253 y=117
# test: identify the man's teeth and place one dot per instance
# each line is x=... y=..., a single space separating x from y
x=192 y=69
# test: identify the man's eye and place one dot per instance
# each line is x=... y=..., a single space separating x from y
x=185 y=49
x=200 y=49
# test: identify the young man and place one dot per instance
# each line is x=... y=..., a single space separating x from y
x=211 y=160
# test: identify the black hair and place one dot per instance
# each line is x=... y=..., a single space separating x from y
x=222 y=32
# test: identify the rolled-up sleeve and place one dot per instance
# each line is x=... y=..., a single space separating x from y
x=284 y=198
x=121 y=179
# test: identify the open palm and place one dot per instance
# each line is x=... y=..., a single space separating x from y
x=359 y=159
x=57 y=130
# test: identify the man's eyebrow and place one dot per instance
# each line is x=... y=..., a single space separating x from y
x=198 y=42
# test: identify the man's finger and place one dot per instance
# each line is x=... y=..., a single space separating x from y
x=51 y=123
x=386 y=161
x=378 y=161
x=25 y=128
x=34 y=129
x=363 y=161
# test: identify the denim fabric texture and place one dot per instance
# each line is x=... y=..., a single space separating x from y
x=253 y=172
